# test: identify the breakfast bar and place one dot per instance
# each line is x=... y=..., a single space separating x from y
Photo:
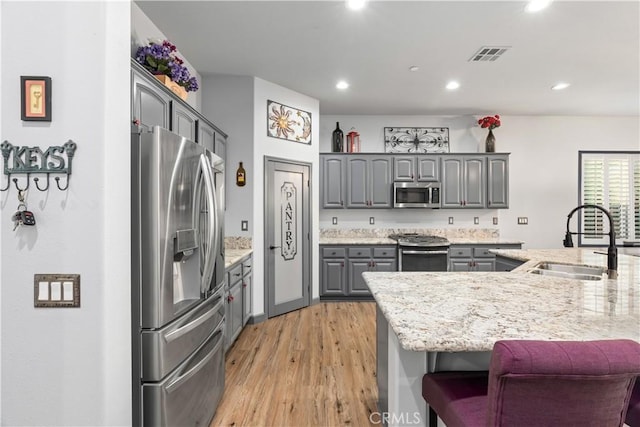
x=429 y=321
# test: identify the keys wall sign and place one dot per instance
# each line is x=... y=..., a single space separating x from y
x=33 y=160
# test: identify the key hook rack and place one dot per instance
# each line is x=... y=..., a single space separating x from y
x=26 y=160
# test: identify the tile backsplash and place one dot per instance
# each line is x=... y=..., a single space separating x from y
x=235 y=242
x=458 y=233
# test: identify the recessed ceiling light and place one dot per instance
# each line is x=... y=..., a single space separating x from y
x=560 y=86
x=342 y=85
x=452 y=85
x=356 y=4
x=414 y=68
x=537 y=5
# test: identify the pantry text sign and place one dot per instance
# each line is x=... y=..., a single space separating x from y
x=288 y=215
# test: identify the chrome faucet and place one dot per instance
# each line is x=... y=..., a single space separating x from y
x=612 y=251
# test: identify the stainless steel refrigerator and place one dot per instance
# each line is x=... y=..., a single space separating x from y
x=178 y=308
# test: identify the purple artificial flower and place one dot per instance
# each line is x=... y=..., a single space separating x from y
x=161 y=59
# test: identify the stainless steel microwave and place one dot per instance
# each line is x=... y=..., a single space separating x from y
x=416 y=195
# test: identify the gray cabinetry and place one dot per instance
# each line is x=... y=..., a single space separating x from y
x=247 y=290
x=239 y=290
x=150 y=106
x=463 y=181
x=369 y=182
x=207 y=136
x=333 y=272
x=498 y=181
x=332 y=177
x=475 y=257
x=342 y=268
x=184 y=122
x=507 y=264
x=416 y=168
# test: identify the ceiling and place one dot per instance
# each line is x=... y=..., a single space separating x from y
x=308 y=46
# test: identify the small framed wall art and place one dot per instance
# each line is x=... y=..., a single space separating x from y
x=288 y=123
x=416 y=140
x=35 y=98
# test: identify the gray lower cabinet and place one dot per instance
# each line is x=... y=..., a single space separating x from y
x=507 y=264
x=475 y=257
x=238 y=309
x=247 y=290
x=342 y=268
x=369 y=181
x=463 y=181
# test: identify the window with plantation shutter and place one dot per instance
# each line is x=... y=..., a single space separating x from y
x=612 y=180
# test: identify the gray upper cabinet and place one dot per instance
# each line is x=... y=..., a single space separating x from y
x=150 y=106
x=332 y=178
x=498 y=181
x=184 y=122
x=416 y=168
x=220 y=145
x=369 y=182
x=206 y=136
x=463 y=182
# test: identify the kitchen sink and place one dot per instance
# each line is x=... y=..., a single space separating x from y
x=569 y=271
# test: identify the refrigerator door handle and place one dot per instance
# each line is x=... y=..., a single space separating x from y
x=212 y=247
x=174 y=335
x=194 y=370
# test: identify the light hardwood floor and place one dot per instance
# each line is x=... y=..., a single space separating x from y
x=310 y=367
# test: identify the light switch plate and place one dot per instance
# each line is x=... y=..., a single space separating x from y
x=334 y=220
x=476 y=220
x=244 y=225
x=495 y=220
x=523 y=220
x=372 y=220
x=450 y=220
x=56 y=290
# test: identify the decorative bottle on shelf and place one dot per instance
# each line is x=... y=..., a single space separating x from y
x=241 y=176
x=337 y=140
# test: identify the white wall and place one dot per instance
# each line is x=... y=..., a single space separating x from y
x=543 y=169
x=69 y=367
x=143 y=29
x=273 y=147
x=228 y=102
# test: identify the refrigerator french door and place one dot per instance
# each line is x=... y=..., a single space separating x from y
x=178 y=280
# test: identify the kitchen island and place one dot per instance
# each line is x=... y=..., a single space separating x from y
x=428 y=322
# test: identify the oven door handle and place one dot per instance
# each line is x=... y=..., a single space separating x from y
x=424 y=252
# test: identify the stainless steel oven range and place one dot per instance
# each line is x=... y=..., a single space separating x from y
x=417 y=252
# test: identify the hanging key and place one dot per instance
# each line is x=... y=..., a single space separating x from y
x=17 y=220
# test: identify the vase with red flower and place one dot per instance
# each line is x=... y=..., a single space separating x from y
x=490 y=122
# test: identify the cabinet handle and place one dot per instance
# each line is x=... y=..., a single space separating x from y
x=342 y=264
x=244 y=285
x=273 y=247
x=333 y=253
x=373 y=263
x=230 y=298
x=237 y=274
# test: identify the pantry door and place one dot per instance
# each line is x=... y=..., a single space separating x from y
x=287 y=246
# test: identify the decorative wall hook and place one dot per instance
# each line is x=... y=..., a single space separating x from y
x=28 y=160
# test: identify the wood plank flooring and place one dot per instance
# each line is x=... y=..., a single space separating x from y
x=310 y=367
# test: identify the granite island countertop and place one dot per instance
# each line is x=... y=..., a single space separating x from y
x=462 y=312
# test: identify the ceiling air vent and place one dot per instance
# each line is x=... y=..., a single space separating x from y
x=488 y=53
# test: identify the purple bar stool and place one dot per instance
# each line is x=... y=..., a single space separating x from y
x=540 y=383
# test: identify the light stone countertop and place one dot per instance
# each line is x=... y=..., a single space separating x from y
x=356 y=240
x=232 y=256
x=452 y=312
